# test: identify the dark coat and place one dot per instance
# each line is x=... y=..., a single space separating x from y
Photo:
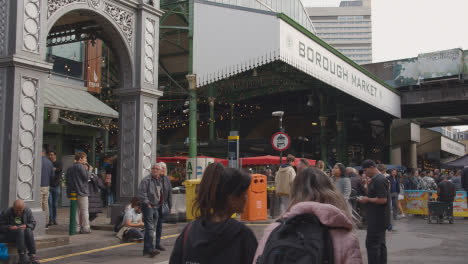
x=57 y=174
x=464 y=178
x=7 y=219
x=77 y=179
x=94 y=199
x=47 y=172
x=356 y=184
x=167 y=190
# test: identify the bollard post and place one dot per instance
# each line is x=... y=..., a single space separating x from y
x=72 y=229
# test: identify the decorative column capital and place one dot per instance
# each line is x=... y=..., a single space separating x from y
x=192 y=81
x=211 y=100
x=339 y=125
x=323 y=120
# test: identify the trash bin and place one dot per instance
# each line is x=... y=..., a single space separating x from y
x=256 y=208
x=191 y=190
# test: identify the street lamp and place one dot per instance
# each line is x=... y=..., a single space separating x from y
x=280 y=115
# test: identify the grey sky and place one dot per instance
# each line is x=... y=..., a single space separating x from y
x=405 y=28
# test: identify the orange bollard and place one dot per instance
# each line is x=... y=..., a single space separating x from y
x=256 y=207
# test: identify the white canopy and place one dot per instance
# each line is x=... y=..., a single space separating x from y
x=230 y=39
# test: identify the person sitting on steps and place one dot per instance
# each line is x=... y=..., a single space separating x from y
x=132 y=225
x=16 y=225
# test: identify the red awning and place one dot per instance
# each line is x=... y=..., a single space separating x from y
x=268 y=160
x=183 y=159
x=250 y=161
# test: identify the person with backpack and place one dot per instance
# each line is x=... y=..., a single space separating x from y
x=318 y=216
x=377 y=204
x=95 y=186
x=214 y=237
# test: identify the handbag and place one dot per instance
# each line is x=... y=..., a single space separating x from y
x=165 y=209
x=4 y=251
x=165 y=206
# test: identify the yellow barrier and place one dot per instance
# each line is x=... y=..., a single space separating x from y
x=416 y=203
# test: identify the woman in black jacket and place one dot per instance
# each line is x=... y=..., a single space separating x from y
x=95 y=203
x=214 y=237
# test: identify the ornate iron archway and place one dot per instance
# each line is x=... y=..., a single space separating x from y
x=132 y=27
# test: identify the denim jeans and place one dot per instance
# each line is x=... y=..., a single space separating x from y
x=23 y=239
x=54 y=194
x=159 y=227
x=150 y=219
x=110 y=197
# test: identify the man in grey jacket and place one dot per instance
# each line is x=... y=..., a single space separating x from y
x=16 y=225
x=77 y=181
x=149 y=192
x=166 y=203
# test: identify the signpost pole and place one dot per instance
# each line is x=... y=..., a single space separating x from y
x=281 y=129
x=72 y=226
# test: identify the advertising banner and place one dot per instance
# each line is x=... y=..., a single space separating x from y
x=416 y=203
x=93 y=65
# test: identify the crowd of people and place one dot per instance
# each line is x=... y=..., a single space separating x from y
x=313 y=205
x=317 y=210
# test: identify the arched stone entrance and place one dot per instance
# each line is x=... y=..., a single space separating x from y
x=132 y=27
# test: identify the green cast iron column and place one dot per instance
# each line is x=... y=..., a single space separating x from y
x=323 y=128
x=345 y=143
x=323 y=137
x=191 y=78
x=339 y=134
x=388 y=141
x=211 y=100
x=193 y=116
x=92 y=156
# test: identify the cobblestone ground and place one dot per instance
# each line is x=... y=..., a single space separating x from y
x=415 y=241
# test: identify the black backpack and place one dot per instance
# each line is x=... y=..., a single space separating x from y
x=298 y=240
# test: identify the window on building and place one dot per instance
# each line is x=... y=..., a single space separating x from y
x=350 y=17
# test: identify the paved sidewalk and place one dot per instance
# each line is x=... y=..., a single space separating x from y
x=416 y=241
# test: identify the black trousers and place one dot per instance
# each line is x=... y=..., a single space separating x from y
x=23 y=239
x=376 y=248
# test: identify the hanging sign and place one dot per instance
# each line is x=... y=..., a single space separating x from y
x=93 y=65
x=280 y=141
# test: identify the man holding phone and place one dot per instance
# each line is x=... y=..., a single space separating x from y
x=16 y=225
x=377 y=203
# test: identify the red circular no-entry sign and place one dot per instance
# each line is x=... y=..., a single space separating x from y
x=280 y=141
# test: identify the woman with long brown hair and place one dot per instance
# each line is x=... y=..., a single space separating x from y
x=214 y=237
x=313 y=193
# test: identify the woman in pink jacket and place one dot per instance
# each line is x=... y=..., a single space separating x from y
x=313 y=193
